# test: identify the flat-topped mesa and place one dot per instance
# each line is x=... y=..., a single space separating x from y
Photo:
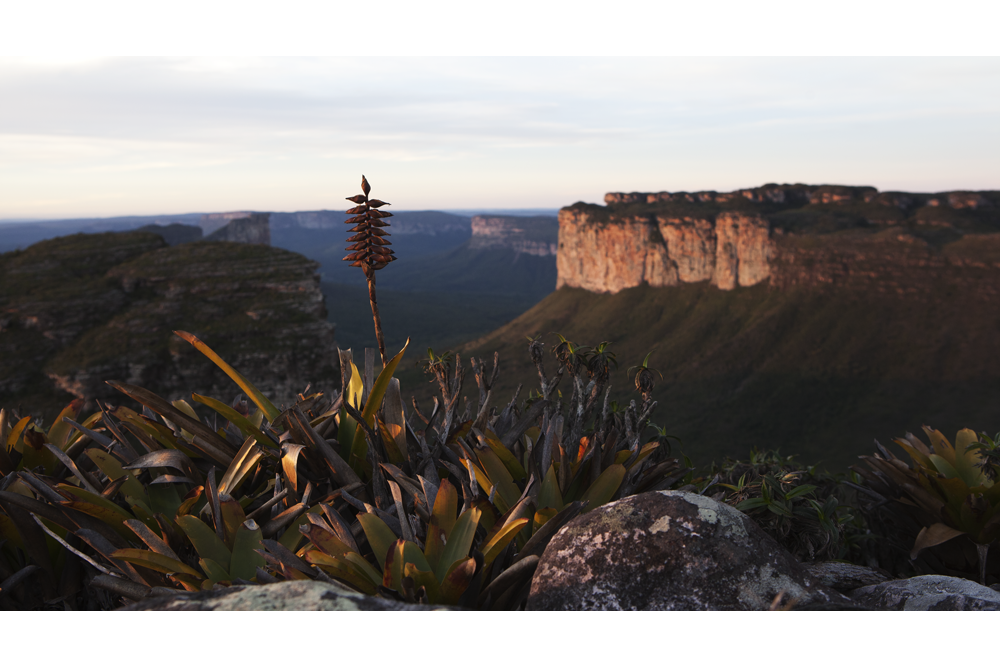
x=749 y=236
x=530 y=235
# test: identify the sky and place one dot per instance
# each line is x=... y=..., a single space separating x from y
x=103 y=135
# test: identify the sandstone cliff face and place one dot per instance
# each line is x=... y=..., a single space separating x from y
x=78 y=311
x=734 y=249
x=691 y=247
x=610 y=258
x=742 y=238
x=537 y=235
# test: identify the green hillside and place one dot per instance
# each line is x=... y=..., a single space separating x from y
x=816 y=373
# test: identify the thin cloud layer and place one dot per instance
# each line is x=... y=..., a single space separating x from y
x=170 y=135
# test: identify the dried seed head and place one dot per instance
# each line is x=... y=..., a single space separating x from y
x=367 y=244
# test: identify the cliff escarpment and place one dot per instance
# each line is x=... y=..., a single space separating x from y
x=78 y=310
x=529 y=235
x=732 y=248
x=783 y=234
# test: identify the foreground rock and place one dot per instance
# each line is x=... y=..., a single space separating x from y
x=929 y=593
x=671 y=550
x=285 y=596
x=845 y=576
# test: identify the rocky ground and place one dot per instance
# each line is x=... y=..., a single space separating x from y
x=666 y=550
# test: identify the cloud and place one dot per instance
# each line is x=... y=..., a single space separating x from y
x=494 y=125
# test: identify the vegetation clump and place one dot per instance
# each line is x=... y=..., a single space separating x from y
x=810 y=512
x=942 y=507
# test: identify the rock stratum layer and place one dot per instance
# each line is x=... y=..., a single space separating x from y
x=785 y=234
x=79 y=310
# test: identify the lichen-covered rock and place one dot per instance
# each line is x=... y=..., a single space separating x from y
x=284 y=596
x=671 y=550
x=928 y=593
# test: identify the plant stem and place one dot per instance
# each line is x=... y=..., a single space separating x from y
x=378 y=320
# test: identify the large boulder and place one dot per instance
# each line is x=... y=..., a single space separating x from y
x=672 y=550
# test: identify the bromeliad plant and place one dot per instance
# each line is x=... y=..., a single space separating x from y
x=438 y=570
x=545 y=464
x=947 y=492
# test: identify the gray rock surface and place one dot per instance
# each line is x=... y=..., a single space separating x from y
x=928 y=593
x=671 y=550
x=845 y=576
x=284 y=596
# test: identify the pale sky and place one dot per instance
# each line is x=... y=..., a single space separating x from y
x=104 y=136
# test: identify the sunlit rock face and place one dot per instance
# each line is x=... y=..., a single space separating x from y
x=783 y=235
x=610 y=258
x=733 y=249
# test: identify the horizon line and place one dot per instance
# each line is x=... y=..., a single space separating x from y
x=465 y=212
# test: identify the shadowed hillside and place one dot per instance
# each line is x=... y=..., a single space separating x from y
x=79 y=310
x=819 y=373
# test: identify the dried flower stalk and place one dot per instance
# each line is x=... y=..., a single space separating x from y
x=368 y=247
